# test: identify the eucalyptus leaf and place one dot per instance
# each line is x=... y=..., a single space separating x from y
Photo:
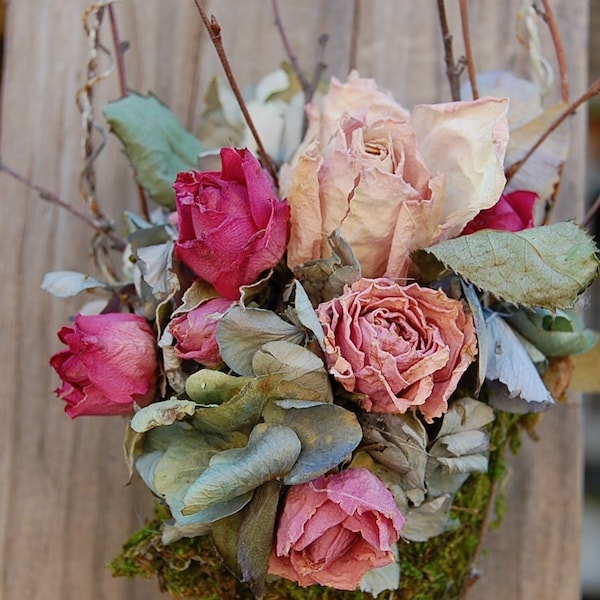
x=271 y=452
x=328 y=434
x=380 y=579
x=242 y=332
x=255 y=536
x=513 y=381
x=155 y=142
x=162 y=413
x=64 y=284
x=224 y=534
x=547 y=266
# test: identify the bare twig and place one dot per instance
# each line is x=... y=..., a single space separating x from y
x=47 y=195
x=558 y=48
x=288 y=49
x=119 y=50
x=592 y=91
x=451 y=68
x=464 y=19
x=214 y=31
x=591 y=213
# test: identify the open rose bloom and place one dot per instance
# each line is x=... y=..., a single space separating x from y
x=391 y=181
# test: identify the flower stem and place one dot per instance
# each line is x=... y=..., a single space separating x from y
x=213 y=29
x=558 y=48
x=464 y=19
x=452 y=72
x=47 y=195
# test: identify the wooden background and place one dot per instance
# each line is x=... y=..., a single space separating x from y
x=64 y=507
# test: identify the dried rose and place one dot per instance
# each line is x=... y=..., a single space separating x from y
x=232 y=227
x=195 y=332
x=391 y=181
x=404 y=347
x=336 y=528
x=513 y=212
x=110 y=364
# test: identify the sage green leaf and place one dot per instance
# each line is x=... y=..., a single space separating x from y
x=559 y=333
x=255 y=536
x=427 y=520
x=328 y=434
x=547 y=266
x=380 y=579
x=162 y=413
x=242 y=331
x=307 y=315
x=208 y=386
x=294 y=364
x=224 y=536
x=271 y=452
x=155 y=142
x=64 y=284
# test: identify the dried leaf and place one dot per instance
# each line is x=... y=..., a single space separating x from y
x=162 y=413
x=64 y=284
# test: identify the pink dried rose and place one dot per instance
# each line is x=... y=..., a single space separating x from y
x=336 y=528
x=232 y=227
x=513 y=212
x=195 y=332
x=110 y=364
x=390 y=180
x=404 y=347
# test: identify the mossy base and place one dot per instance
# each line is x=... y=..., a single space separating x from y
x=439 y=569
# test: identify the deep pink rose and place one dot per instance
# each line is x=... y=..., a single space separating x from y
x=195 y=332
x=232 y=227
x=402 y=346
x=110 y=364
x=334 y=529
x=513 y=212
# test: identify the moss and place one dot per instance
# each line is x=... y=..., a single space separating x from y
x=435 y=570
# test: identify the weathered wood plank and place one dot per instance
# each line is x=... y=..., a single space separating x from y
x=64 y=509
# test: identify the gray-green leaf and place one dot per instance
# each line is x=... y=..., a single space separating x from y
x=155 y=142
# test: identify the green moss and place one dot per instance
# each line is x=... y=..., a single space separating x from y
x=434 y=570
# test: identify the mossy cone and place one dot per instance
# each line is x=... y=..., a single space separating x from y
x=439 y=569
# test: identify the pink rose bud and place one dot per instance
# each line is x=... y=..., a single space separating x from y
x=404 y=347
x=334 y=529
x=232 y=227
x=195 y=332
x=110 y=364
x=513 y=212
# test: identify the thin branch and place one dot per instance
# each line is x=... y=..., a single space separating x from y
x=288 y=49
x=464 y=19
x=591 y=213
x=124 y=89
x=213 y=28
x=451 y=70
x=592 y=91
x=558 y=48
x=54 y=199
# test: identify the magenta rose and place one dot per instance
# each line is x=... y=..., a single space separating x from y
x=334 y=529
x=110 y=364
x=195 y=332
x=232 y=227
x=513 y=212
x=403 y=347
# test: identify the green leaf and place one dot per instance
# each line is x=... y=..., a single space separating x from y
x=328 y=434
x=208 y=386
x=547 y=266
x=155 y=142
x=271 y=452
x=224 y=535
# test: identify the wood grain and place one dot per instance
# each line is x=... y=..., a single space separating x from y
x=64 y=507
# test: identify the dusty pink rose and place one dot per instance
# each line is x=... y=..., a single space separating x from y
x=334 y=529
x=513 y=212
x=402 y=346
x=232 y=227
x=195 y=332
x=110 y=364
x=390 y=180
